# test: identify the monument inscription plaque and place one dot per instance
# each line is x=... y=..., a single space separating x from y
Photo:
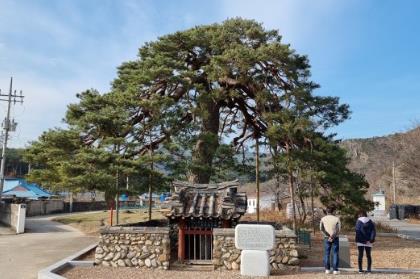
x=254 y=237
x=254 y=241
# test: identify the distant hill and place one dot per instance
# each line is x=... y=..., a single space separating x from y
x=373 y=157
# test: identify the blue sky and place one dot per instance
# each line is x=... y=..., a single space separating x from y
x=364 y=51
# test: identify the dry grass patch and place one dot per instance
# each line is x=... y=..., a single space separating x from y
x=90 y=223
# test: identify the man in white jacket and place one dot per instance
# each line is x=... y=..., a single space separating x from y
x=330 y=226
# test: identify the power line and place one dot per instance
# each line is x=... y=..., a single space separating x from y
x=8 y=126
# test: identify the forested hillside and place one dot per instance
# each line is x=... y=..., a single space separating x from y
x=374 y=157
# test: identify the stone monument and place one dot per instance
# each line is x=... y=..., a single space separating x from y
x=254 y=241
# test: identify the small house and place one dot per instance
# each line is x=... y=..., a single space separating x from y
x=20 y=188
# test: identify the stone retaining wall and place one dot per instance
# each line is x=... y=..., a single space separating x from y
x=143 y=247
x=226 y=256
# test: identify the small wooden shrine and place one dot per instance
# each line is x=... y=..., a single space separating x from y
x=197 y=209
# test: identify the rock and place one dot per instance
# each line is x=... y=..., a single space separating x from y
x=152 y=256
x=217 y=254
x=123 y=254
x=116 y=257
x=144 y=256
x=114 y=264
x=157 y=243
x=106 y=264
x=285 y=260
x=128 y=263
x=154 y=263
x=99 y=256
x=235 y=266
x=118 y=248
x=226 y=255
x=109 y=257
x=227 y=264
x=144 y=249
x=148 y=263
x=282 y=266
x=141 y=263
x=134 y=261
x=97 y=262
x=163 y=257
x=233 y=257
x=293 y=253
x=120 y=263
x=99 y=250
x=148 y=242
x=274 y=265
x=293 y=261
x=131 y=255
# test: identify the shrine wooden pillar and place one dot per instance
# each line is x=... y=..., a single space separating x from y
x=181 y=240
x=225 y=224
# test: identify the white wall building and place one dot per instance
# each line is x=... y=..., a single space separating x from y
x=266 y=202
x=379 y=200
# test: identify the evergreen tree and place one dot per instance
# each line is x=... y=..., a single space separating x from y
x=219 y=79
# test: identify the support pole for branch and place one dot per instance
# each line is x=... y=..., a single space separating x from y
x=150 y=180
x=117 y=199
x=257 y=175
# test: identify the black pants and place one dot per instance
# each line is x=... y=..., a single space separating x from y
x=368 y=256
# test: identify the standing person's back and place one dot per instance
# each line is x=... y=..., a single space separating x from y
x=365 y=236
x=330 y=226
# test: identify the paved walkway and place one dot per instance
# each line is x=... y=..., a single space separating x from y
x=43 y=243
x=405 y=229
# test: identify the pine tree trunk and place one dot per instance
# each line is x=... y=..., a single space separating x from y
x=292 y=196
x=312 y=206
x=206 y=145
x=278 y=202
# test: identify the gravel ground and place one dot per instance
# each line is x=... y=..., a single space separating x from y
x=124 y=273
x=388 y=252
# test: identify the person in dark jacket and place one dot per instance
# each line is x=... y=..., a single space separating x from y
x=365 y=237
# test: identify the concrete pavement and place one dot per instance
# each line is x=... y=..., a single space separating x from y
x=43 y=243
x=403 y=228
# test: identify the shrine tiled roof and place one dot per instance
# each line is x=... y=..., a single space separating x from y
x=220 y=200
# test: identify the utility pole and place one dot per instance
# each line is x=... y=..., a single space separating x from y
x=8 y=126
x=394 y=182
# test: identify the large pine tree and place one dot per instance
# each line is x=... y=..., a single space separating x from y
x=219 y=79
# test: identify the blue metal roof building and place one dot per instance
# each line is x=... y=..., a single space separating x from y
x=20 y=188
